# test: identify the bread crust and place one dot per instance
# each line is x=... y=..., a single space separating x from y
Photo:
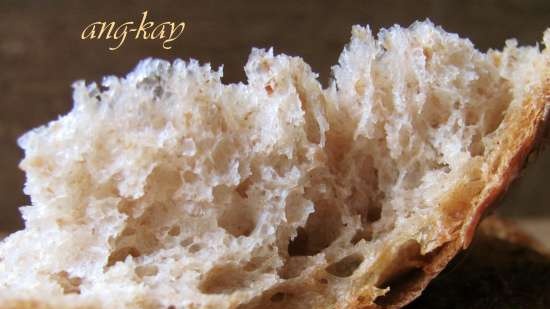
x=532 y=124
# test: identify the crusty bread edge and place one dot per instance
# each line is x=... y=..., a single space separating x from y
x=537 y=123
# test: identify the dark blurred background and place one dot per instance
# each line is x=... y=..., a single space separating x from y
x=41 y=54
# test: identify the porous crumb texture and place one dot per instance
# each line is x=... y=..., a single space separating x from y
x=170 y=189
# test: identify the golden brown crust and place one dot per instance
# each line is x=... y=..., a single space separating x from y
x=534 y=120
x=526 y=130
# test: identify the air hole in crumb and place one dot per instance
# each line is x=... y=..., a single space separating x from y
x=435 y=112
x=293 y=267
x=127 y=207
x=471 y=117
x=427 y=53
x=278 y=297
x=402 y=276
x=346 y=266
x=298 y=245
x=365 y=234
x=323 y=226
x=476 y=146
x=224 y=279
x=456 y=105
x=238 y=218
x=312 y=125
x=146 y=270
x=186 y=242
x=254 y=263
x=412 y=176
x=194 y=248
x=174 y=231
x=281 y=164
x=444 y=167
x=242 y=188
x=128 y=231
x=399 y=286
x=404 y=138
x=121 y=254
x=367 y=205
x=189 y=177
x=374 y=212
x=481 y=91
x=70 y=285
x=158 y=91
x=237 y=222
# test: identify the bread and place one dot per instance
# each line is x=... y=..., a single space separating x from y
x=508 y=268
x=170 y=189
x=513 y=275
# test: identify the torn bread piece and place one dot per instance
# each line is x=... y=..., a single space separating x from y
x=170 y=189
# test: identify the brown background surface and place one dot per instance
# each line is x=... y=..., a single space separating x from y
x=41 y=54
